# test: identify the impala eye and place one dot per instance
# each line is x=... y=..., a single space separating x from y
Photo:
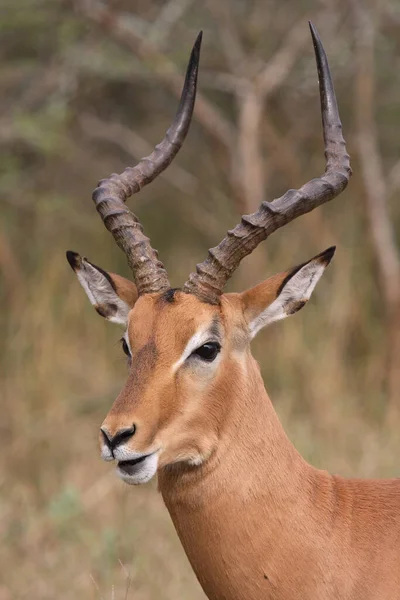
x=208 y=351
x=125 y=347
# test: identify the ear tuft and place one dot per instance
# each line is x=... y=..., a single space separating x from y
x=111 y=295
x=74 y=259
x=326 y=256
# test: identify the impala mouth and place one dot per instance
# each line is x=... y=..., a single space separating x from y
x=128 y=466
x=138 y=470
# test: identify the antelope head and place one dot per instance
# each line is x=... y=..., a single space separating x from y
x=187 y=348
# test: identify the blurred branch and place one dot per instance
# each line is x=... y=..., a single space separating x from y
x=276 y=71
x=231 y=44
x=178 y=177
x=169 y=14
x=251 y=92
x=249 y=83
x=223 y=82
x=250 y=155
x=394 y=178
x=137 y=147
x=376 y=192
x=281 y=150
x=386 y=252
x=251 y=89
x=247 y=171
x=116 y=26
x=244 y=146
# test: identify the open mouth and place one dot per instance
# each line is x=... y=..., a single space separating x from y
x=129 y=466
x=138 y=470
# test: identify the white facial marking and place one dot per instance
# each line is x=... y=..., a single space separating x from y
x=198 y=339
x=123 y=452
x=196 y=461
x=140 y=473
x=106 y=453
x=298 y=289
x=132 y=474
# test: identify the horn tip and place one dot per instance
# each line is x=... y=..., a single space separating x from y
x=314 y=33
x=197 y=47
x=313 y=29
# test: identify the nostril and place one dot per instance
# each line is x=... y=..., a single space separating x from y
x=121 y=436
x=106 y=439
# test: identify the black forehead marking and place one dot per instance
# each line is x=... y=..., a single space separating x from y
x=143 y=365
x=169 y=295
x=144 y=362
x=147 y=355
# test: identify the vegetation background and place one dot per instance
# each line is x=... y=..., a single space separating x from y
x=87 y=88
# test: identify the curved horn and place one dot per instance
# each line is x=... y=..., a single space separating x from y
x=111 y=194
x=211 y=276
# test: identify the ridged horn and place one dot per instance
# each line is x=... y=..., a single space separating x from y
x=211 y=275
x=111 y=194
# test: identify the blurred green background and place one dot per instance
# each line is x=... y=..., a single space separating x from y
x=88 y=88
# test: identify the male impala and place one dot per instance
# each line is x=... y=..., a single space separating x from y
x=255 y=519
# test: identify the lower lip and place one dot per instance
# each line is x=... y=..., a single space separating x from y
x=129 y=466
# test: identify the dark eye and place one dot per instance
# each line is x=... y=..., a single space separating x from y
x=125 y=346
x=208 y=351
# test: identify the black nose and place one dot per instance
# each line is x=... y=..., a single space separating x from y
x=121 y=436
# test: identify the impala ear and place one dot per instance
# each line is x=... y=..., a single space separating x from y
x=284 y=294
x=111 y=295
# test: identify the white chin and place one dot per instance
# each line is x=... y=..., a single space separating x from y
x=139 y=473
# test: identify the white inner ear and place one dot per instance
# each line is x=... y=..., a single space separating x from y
x=101 y=294
x=296 y=292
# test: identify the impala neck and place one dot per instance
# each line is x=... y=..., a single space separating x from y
x=252 y=443
x=254 y=480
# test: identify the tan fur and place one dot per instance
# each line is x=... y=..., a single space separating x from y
x=125 y=289
x=258 y=297
x=256 y=521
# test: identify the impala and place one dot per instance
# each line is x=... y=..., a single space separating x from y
x=256 y=521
